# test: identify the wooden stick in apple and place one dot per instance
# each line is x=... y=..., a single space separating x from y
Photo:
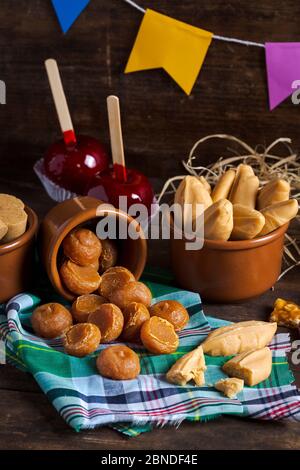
x=60 y=101
x=116 y=138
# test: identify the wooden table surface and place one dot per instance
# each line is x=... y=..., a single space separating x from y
x=28 y=420
x=161 y=124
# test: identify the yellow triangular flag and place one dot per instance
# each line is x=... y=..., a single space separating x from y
x=177 y=47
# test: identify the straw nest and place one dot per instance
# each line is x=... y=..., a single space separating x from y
x=266 y=165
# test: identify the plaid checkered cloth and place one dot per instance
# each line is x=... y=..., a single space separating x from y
x=86 y=400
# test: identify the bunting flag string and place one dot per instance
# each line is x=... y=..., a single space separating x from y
x=177 y=47
x=180 y=49
x=215 y=36
x=68 y=11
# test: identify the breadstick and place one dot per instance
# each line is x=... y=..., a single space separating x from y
x=275 y=191
x=245 y=187
x=218 y=221
x=16 y=221
x=223 y=186
x=278 y=214
x=247 y=223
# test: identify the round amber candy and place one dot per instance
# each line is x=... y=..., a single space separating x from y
x=135 y=314
x=51 y=320
x=95 y=264
x=82 y=339
x=131 y=292
x=158 y=336
x=109 y=255
x=84 y=305
x=110 y=321
x=118 y=363
x=79 y=279
x=82 y=246
x=114 y=278
x=172 y=311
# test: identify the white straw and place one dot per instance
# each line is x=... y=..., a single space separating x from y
x=135 y=5
x=219 y=38
x=238 y=41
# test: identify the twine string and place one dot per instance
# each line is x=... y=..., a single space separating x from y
x=215 y=36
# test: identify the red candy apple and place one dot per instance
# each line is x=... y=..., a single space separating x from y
x=73 y=161
x=74 y=165
x=120 y=180
x=109 y=188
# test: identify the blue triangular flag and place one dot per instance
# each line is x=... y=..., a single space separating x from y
x=68 y=11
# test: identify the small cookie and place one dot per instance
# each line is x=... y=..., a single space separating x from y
x=3 y=229
x=286 y=313
x=7 y=200
x=16 y=220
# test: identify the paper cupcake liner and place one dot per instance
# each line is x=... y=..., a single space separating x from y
x=59 y=194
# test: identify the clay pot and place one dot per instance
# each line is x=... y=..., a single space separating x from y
x=17 y=261
x=229 y=271
x=85 y=212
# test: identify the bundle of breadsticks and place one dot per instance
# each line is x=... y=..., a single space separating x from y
x=236 y=208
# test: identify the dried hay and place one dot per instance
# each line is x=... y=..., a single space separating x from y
x=266 y=166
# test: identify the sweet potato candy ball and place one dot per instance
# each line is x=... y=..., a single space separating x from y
x=135 y=314
x=51 y=320
x=84 y=305
x=82 y=339
x=172 y=311
x=158 y=336
x=114 y=278
x=109 y=255
x=118 y=363
x=109 y=319
x=131 y=292
x=82 y=246
x=79 y=279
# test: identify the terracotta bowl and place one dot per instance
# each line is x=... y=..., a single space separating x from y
x=82 y=211
x=17 y=260
x=229 y=271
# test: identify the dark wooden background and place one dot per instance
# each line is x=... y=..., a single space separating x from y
x=160 y=122
x=160 y=125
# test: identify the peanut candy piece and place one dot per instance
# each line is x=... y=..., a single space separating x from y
x=286 y=313
x=239 y=337
x=252 y=366
x=230 y=387
x=189 y=367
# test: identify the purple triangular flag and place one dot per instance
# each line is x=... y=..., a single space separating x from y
x=68 y=11
x=283 y=68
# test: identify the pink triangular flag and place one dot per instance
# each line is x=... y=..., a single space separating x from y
x=283 y=68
